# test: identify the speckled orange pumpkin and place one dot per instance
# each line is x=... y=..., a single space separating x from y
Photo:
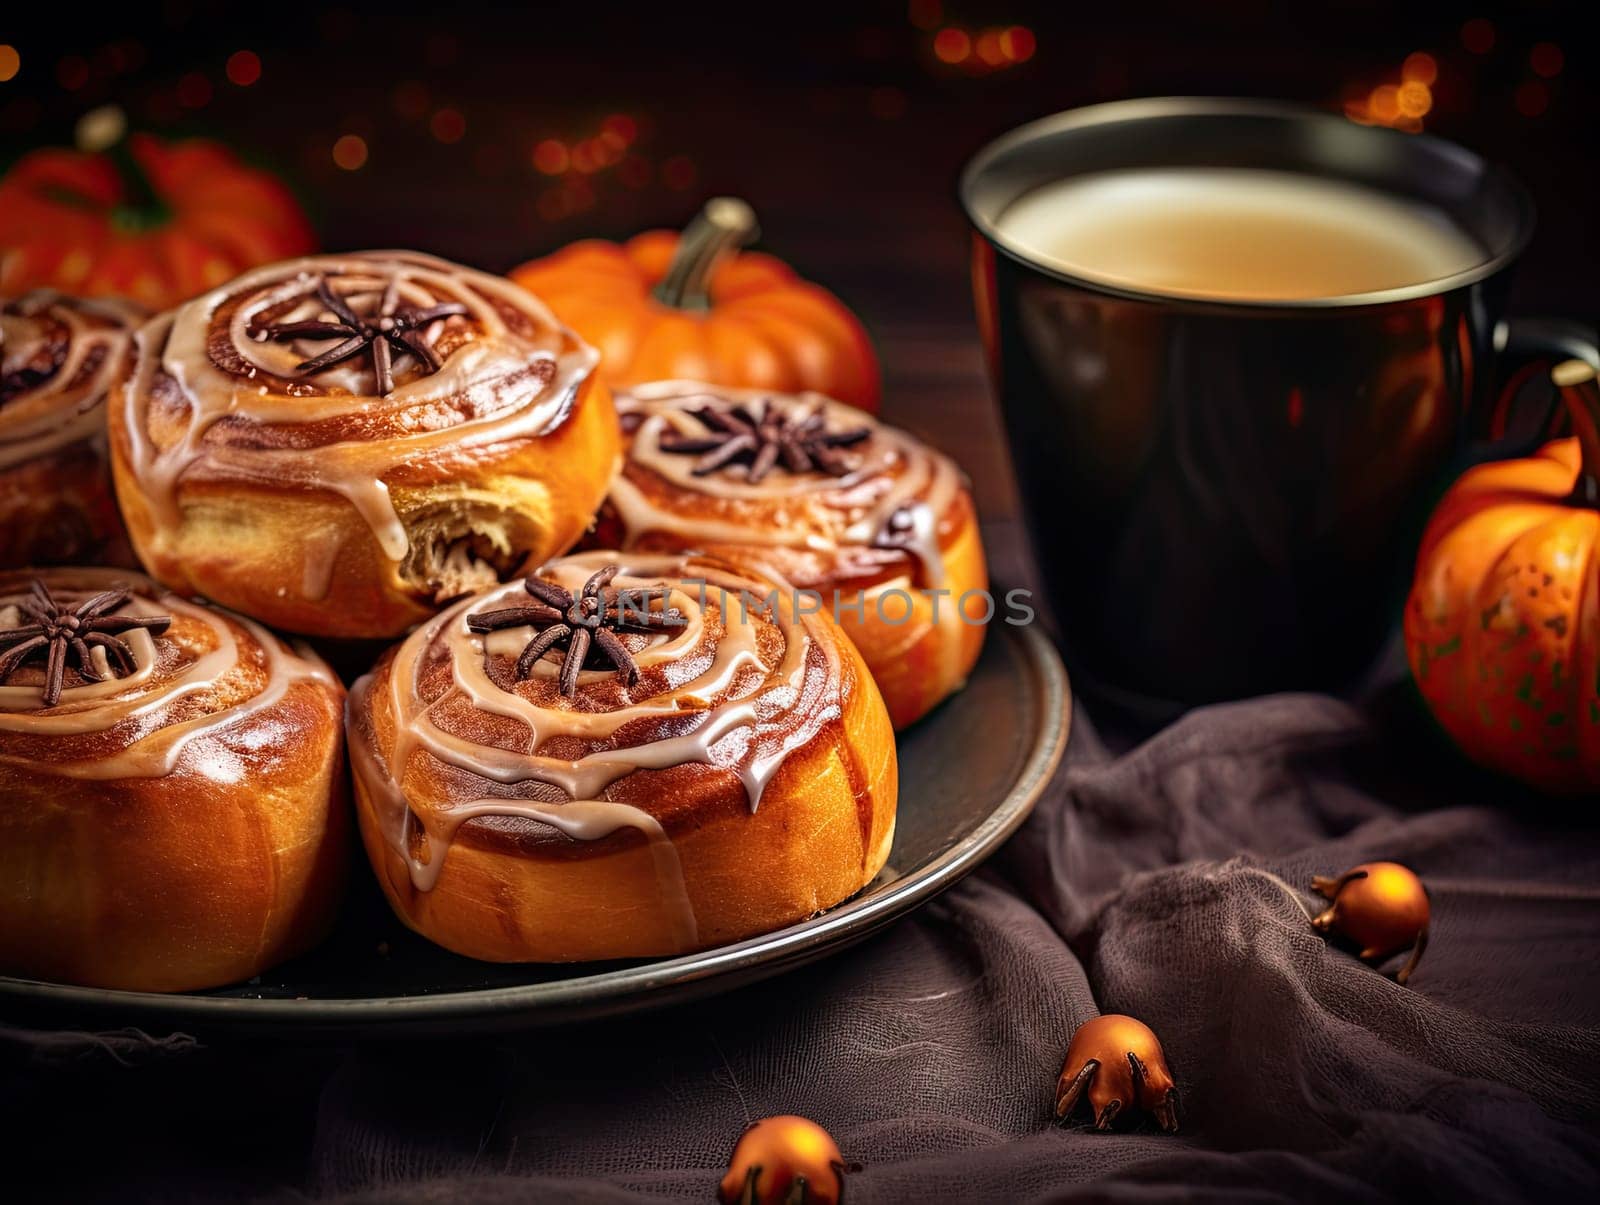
x=1503 y=623
x=663 y=307
x=152 y=221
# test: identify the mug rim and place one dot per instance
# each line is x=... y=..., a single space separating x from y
x=1147 y=108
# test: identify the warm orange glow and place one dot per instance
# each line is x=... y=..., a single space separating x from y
x=989 y=49
x=1477 y=35
x=621 y=128
x=72 y=72
x=1414 y=99
x=550 y=157
x=587 y=156
x=952 y=45
x=194 y=91
x=678 y=172
x=448 y=125
x=1533 y=98
x=925 y=14
x=1547 y=60
x=1384 y=102
x=1018 y=43
x=350 y=152
x=1419 y=68
x=244 y=68
x=10 y=62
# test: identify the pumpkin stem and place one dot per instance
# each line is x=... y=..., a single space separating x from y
x=723 y=226
x=1581 y=393
x=105 y=131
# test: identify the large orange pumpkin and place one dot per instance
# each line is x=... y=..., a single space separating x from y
x=148 y=220
x=662 y=307
x=1503 y=623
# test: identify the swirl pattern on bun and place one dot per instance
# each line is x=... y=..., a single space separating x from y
x=177 y=819
x=881 y=525
x=339 y=444
x=739 y=776
x=58 y=357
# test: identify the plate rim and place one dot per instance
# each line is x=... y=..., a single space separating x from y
x=648 y=982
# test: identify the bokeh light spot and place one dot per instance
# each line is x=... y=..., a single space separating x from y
x=550 y=157
x=448 y=125
x=1477 y=35
x=1419 y=68
x=1533 y=98
x=350 y=152
x=244 y=68
x=1547 y=60
x=951 y=45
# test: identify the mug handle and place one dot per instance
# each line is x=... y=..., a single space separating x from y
x=1524 y=416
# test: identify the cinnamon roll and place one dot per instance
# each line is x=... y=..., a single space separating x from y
x=877 y=524
x=58 y=357
x=340 y=444
x=626 y=755
x=172 y=787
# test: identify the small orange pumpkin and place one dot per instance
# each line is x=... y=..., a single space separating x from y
x=1503 y=623
x=148 y=220
x=661 y=307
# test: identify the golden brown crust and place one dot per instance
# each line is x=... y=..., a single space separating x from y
x=58 y=355
x=320 y=505
x=669 y=854
x=922 y=594
x=182 y=828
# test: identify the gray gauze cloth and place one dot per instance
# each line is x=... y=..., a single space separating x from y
x=1168 y=881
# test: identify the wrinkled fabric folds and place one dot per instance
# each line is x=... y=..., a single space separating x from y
x=1169 y=881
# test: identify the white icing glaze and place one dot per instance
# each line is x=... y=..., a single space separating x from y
x=749 y=729
x=497 y=384
x=146 y=694
x=68 y=406
x=896 y=474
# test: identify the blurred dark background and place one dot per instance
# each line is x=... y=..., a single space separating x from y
x=492 y=133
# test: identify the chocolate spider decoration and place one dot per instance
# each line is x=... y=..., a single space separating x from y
x=763 y=438
x=392 y=327
x=583 y=625
x=1121 y=1064
x=58 y=633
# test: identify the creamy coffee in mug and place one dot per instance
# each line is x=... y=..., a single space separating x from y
x=1238 y=234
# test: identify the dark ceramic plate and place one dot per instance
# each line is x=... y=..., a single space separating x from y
x=969 y=775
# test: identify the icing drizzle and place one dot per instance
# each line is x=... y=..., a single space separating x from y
x=732 y=700
x=507 y=370
x=895 y=496
x=58 y=357
x=188 y=686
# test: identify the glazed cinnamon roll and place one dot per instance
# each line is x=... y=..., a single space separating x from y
x=172 y=787
x=625 y=755
x=58 y=357
x=340 y=444
x=879 y=525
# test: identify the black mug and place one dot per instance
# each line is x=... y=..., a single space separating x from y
x=1225 y=497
